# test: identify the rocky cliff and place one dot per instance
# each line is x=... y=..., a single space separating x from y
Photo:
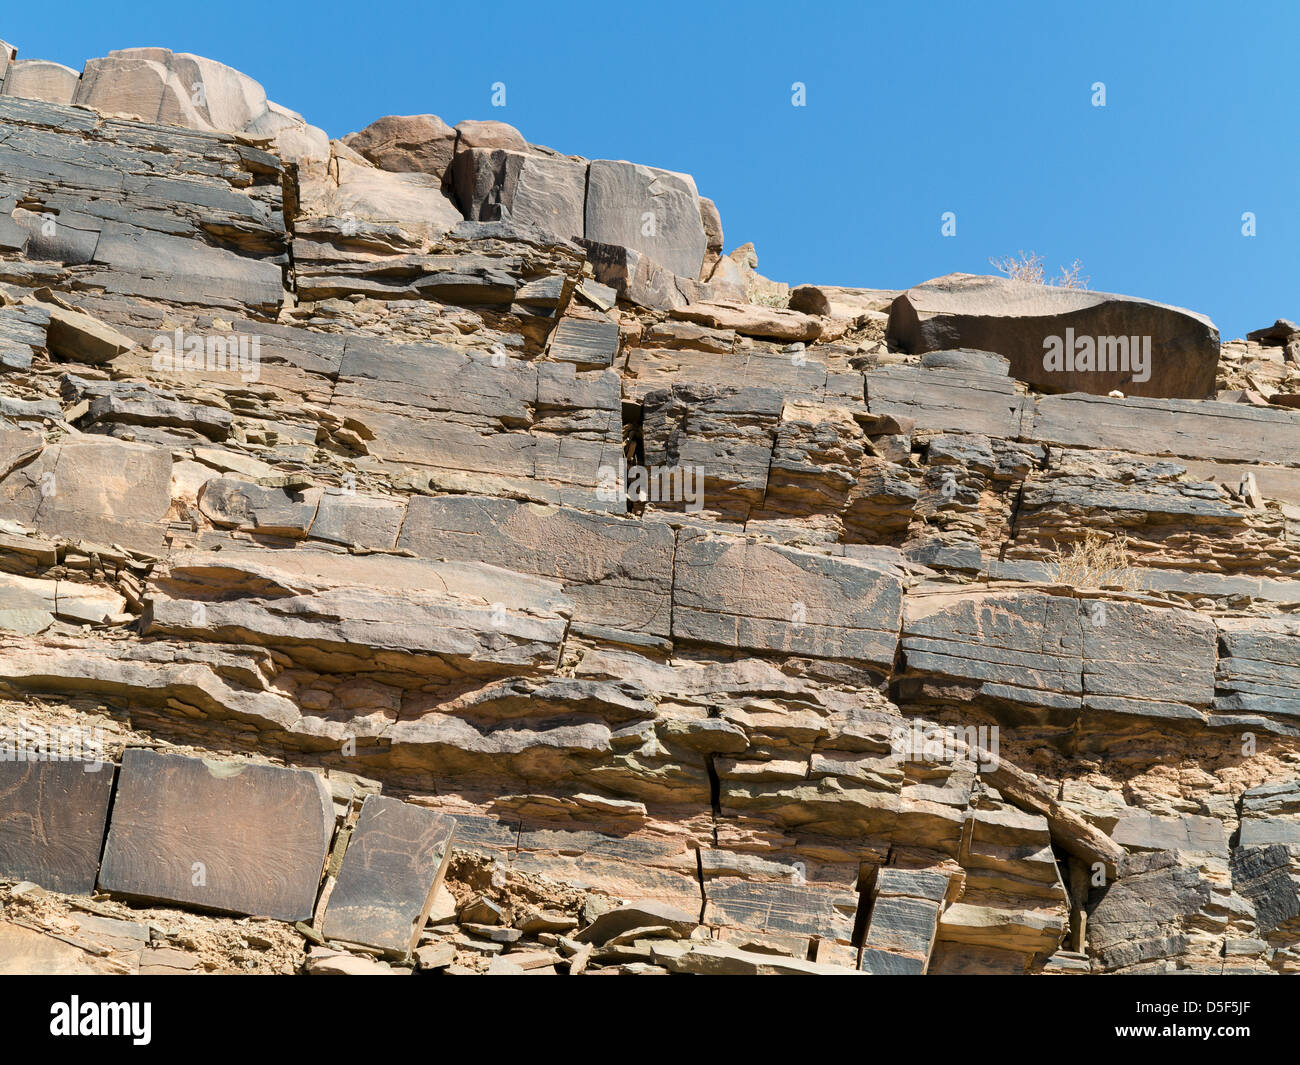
x=450 y=559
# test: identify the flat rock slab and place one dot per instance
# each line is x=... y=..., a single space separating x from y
x=642 y=914
x=617 y=573
x=751 y=320
x=765 y=597
x=884 y=963
x=722 y=959
x=30 y=952
x=781 y=908
x=1226 y=432
x=390 y=874
x=949 y=399
x=903 y=925
x=1060 y=653
x=93 y=488
x=585 y=342
x=233 y=837
x=1259 y=667
x=1017 y=319
x=346 y=611
x=1139 y=830
x=52 y=817
x=809 y=380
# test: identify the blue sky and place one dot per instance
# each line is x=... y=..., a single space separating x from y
x=913 y=109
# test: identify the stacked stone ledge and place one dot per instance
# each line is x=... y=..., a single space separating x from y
x=387 y=567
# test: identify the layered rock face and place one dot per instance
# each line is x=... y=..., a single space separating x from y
x=453 y=562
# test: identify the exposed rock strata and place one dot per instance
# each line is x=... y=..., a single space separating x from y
x=400 y=545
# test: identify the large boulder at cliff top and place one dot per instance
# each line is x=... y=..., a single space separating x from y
x=1098 y=334
x=536 y=190
x=177 y=89
x=488 y=133
x=406 y=144
x=648 y=210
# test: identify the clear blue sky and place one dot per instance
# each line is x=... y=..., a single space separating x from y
x=912 y=110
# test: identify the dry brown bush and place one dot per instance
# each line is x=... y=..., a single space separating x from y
x=1028 y=267
x=1096 y=561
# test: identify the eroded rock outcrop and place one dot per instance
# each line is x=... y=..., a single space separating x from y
x=572 y=599
x=1062 y=339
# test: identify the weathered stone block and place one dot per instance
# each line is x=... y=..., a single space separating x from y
x=536 y=190
x=235 y=837
x=392 y=868
x=948 y=400
x=765 y=597
x=1015 y=318
x=52 y=816
x=652 y=211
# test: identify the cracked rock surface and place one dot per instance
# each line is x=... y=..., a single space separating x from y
x=690 y=624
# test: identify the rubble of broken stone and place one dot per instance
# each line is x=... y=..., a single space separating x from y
x=383 y=550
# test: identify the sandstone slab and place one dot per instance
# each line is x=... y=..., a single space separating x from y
x=655 y=212
x=536 y=190
x=1228 y=432
x=52 y=817
x=391 y=871
x=766 y=597
x=618 y=573
x=225 y=836
x=40 y=79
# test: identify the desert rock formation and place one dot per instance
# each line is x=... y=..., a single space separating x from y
x=458 y=563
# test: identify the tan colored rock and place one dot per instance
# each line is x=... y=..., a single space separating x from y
x=473 y=133
x=29 y=952
x=8 y=53
x=133 y=85
x=740 y=266
x=652 y=211
x=406 y=144
x=326 y=962
x=772 y=323
x=365 y=193
x=39 y=79
x=81 y=338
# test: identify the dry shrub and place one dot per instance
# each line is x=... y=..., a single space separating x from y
x=1096 y=561
x=1028 y=267
x=1072 y=276
x=1021 y=267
